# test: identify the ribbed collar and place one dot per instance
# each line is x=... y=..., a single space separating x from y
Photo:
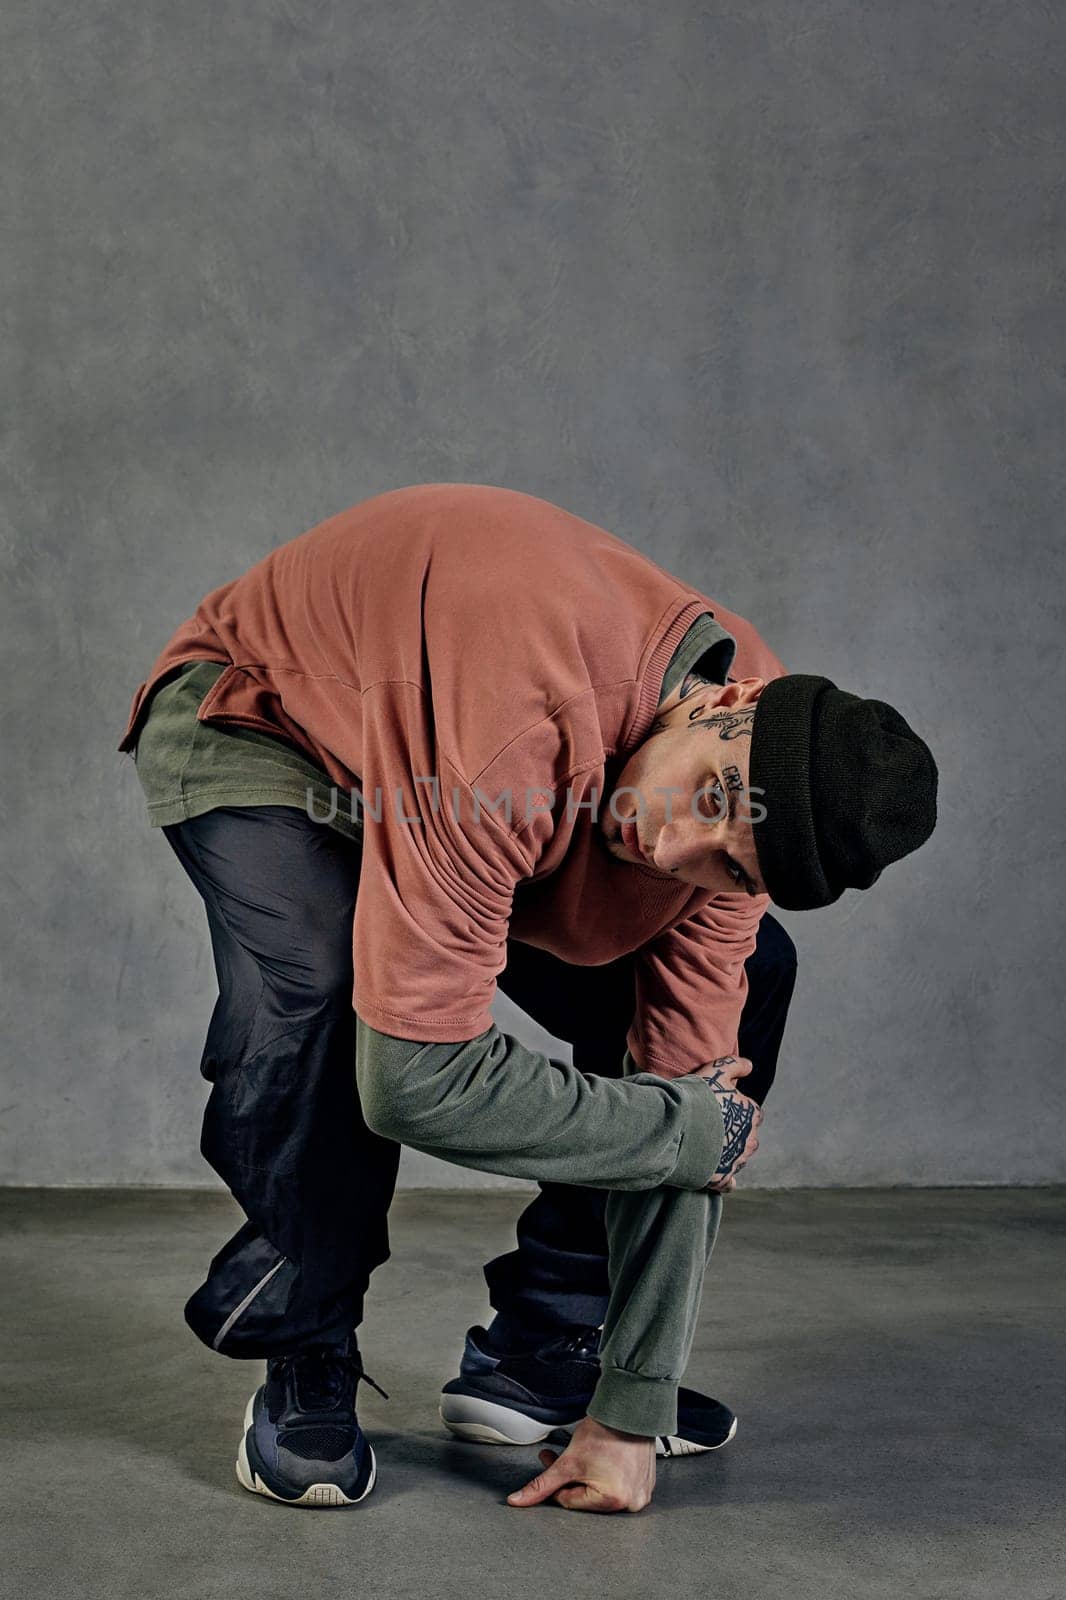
x=685 y=614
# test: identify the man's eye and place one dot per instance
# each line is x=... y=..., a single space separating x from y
x=715 y=800
x=735 y=872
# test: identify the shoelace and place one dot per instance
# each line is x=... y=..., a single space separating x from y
x=324 y=1373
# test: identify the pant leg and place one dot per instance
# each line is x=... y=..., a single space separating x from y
x=282 y=1126
x=557 y=1278
x=771 y=970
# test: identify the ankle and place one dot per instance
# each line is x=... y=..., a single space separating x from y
x=508 y=1335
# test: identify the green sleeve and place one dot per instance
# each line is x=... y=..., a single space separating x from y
x=494 y=1105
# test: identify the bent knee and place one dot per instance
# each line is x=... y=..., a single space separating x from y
x=774 y=951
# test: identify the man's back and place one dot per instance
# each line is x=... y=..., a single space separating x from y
x=476 y=661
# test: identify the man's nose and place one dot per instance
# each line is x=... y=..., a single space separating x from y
x=692 y=854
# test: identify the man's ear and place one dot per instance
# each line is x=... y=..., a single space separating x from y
x=744 y=692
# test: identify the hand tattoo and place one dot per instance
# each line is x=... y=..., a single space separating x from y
x=738 y=1114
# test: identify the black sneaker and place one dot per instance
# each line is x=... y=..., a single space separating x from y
x=523 y=1398
x=302 y=1441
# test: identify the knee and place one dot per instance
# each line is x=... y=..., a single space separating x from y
x=323 y=969
x=774 y=955
x=306 y=988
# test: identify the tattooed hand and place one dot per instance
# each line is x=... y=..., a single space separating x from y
x=740 y=1115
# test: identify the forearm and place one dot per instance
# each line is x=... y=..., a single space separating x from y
x=658 y=1246
x=492 y=1104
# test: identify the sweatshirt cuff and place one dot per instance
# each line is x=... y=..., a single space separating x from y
x=634 y=1404
x=704 y=1137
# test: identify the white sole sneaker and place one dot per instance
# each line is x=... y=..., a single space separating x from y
x=317 y=1494
x=482 y=1422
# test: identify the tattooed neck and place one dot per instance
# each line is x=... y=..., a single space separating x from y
x=728 y=724
x=692 y=683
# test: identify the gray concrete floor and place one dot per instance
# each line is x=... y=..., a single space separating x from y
x=895 y=1359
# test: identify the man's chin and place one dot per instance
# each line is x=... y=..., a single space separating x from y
x=621 y=853
x=614 y=847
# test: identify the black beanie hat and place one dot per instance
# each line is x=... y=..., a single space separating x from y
x=847 y=787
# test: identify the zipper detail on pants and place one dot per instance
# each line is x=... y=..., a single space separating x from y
x=245 y=1303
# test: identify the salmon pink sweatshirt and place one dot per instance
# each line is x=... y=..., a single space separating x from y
x=476 y=665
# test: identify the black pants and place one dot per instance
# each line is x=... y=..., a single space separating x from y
x=283 y=1128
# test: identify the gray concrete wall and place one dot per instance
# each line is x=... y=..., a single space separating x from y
x=773 y=292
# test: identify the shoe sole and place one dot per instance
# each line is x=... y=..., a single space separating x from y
x=482 y=1422
x=673 y=1445
x=317 y=1494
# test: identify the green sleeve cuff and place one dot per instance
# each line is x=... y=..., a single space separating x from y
x=634 y=1404
x=704 y=1136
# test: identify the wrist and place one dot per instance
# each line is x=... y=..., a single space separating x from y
x=592 y=1430
x=703 y=1141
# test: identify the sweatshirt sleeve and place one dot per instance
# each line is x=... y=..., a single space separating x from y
x=691 y=986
